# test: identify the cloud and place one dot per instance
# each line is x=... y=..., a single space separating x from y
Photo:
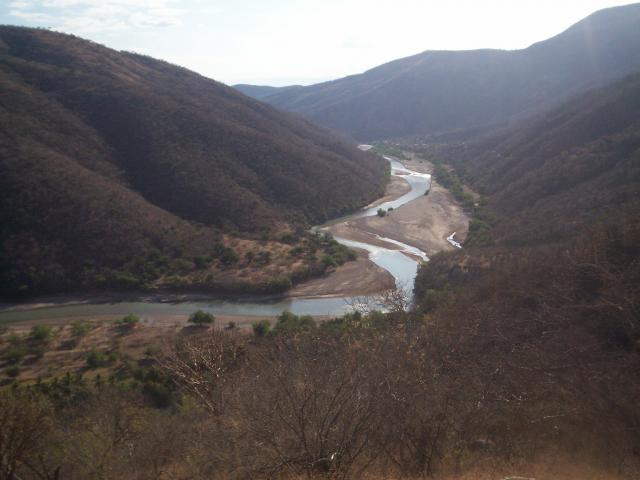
x=98 y=16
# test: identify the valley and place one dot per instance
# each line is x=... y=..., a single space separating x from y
x=389 y=251
x=207 y=282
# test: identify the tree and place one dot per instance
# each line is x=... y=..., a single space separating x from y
x=24 y=421
x=201 y=318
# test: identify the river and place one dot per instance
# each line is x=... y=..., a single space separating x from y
x=402 y=264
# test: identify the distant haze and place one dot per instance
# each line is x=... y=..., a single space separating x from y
x=281 y=42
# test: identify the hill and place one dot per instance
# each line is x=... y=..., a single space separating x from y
x=436 y=92
x=113 y=166
x=560 y=173
x=542 y=301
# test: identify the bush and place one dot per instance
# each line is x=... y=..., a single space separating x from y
x=40 y=333
x=290 y=323
x=128 y=321
x=381 y=212
x=280 y=284
x=80 y=328
x=37 y=351
x=328 y=261
x=200 y=318
x=15 y=340
x=13 y=371
x=96 y=358
x=15 y=354
x=261 y=328
x=229 y=256
x=201 y=262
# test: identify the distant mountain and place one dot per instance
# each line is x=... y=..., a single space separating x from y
x=114 y=165
x=446 y=91
x=260 y=92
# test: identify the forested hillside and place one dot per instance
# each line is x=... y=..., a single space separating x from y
x=543 y=300
x=563 y=172
x=448 y=91
x=113 y=166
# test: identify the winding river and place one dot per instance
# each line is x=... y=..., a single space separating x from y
x=402 y=263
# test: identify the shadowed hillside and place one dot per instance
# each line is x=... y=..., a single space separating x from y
x=108 y=157
x=446 y=91
x=562 y=172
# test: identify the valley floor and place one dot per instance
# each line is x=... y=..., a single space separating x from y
x=425 y=222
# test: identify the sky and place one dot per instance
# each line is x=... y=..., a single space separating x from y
x=283 y=42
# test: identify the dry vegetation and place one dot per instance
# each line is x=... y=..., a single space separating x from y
x=450 y=393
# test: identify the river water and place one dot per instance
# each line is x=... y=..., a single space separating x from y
x=403 y=267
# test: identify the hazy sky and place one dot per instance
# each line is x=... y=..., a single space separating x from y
x=278 y=42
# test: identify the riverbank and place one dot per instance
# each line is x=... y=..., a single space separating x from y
x=425 y=222
x=379 y=266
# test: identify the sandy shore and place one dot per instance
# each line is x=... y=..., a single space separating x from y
x=358 y=278
x=425 y=222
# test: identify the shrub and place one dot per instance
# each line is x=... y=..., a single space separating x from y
x=229 y=256
x=328 y=261
x=201 y=262
x=13 y=371
x=15 y=340
x=290 y=323
x=261 y=328
x=280 y=284
x=40 y=333
x=381 y=212
x=37 y=351
x=200 y=318
x=96 y=358
x=80 y=328
x=15 y=354
x=128 y=321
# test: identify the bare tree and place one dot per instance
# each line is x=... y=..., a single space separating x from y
x=310 y=407
x=25 y=418
x=201 y=365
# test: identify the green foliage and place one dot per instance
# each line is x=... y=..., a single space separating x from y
x=201 y=318
x=40 y=333
x=287 y=322
x=390 y=149
x=80 y=328
x=261 y=328
x=449 y=179
x=201 y=262
x=128 y=321
x=279 y=285
x=13 y=371
x=382 y=213
x=15 y=354
x=328 y=261
x=97 y=358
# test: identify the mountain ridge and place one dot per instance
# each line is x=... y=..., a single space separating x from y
x=436 y=92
